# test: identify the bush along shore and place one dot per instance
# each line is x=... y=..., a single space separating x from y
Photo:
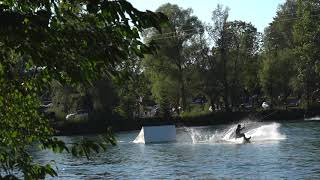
x=121 y=124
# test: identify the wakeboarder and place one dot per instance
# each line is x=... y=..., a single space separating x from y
x=240 y=135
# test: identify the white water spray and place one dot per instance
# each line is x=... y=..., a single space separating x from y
x=198 y=136
x=258 y=133
x=316 y=118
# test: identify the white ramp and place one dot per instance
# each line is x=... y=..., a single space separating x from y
x=156 y=134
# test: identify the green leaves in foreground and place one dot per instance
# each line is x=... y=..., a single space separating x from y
x=73 y=42
x=86 y=146
x=83 y=148
x=39 y=171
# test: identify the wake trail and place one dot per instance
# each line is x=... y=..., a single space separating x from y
x=257 y=132
x=316 y=118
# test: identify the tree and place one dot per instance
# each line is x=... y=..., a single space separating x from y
x=273 y=81
x=133 y=87
x=242 y=53
x=306 y=33
x=205 y=70
x=69 y=41
x=164 y=84
x=172 y=44
x=236 y=46
x=278 y=54
x=219 y=35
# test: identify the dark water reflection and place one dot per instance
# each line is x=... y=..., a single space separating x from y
x=296 y=157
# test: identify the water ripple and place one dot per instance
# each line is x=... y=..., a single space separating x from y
x=293 y=157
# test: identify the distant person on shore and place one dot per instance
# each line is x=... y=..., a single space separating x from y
x=239 y=134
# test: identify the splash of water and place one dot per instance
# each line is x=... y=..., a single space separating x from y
x=316 y=118
x=256 y=132
x=200 y=137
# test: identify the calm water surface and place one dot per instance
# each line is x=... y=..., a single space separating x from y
x=286 y=150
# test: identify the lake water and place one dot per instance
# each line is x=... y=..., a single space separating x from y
x=278 y=150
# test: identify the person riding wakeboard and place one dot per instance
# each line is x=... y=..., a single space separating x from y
x=239 y=134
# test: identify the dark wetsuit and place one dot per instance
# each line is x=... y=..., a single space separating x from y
x=239 y=134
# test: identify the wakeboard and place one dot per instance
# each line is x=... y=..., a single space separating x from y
x=247 y=140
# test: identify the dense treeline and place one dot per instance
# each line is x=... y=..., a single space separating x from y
x=230 y=63
x=218 y=61
x=291 y=45
x=226 y=62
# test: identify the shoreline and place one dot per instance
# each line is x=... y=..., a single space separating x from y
x=218 y=118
